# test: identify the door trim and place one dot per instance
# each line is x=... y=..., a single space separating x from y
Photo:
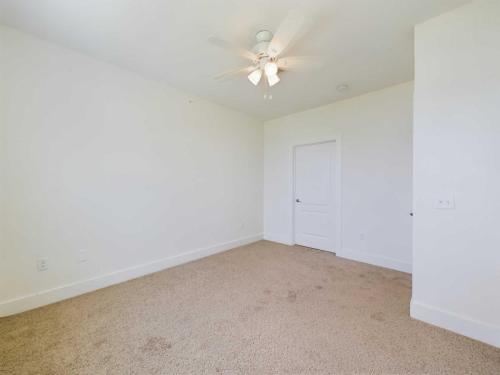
x=337 y=187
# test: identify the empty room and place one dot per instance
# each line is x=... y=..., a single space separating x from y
x=249 y=187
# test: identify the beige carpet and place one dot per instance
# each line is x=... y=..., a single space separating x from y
x=259 y=309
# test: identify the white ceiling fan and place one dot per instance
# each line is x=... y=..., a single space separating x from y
x=266 y=54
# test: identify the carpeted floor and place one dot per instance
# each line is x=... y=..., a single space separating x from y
x=259 y=309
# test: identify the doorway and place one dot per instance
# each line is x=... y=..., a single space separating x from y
x=316 y=188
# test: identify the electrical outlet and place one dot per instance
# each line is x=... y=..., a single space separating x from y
x=42 y=264
x=82 y=256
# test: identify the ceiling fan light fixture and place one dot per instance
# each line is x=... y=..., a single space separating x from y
x=266 y=55
x=271 y=69
x=273 y=79
x=255 y=76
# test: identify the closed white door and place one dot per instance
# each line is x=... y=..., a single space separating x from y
x=315 y=196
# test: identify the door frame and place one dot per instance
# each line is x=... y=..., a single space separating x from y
x=337 y=187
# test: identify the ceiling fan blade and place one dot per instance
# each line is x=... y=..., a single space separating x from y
x=300 y=63
x=242 y=52
x=286 y=33
x=235 y=72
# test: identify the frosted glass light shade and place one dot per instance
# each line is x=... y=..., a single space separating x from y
x=271 y=69
x=273 y=79
x=255 y=76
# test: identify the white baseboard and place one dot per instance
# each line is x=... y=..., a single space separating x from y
x=62 y=292
x=462 y=325
x=278 y=239
x=375 y=259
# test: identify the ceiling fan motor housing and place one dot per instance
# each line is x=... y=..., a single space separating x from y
x=263 y=38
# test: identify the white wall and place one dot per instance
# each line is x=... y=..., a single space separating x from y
x=98 y=159
x=376 y=152
x=456 y=270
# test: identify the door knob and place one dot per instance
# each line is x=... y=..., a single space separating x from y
x=297 y=200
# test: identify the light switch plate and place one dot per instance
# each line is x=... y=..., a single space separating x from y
x=445 y=203
x=82 y=256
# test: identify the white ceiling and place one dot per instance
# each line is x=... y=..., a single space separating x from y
x=365 y=43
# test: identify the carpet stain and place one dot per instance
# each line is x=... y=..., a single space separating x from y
x=319 y=287
x=156 y=345
x=100 y=343
x=106 y=359
x=378 y=316
x=292 y=296
x=263 y=301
